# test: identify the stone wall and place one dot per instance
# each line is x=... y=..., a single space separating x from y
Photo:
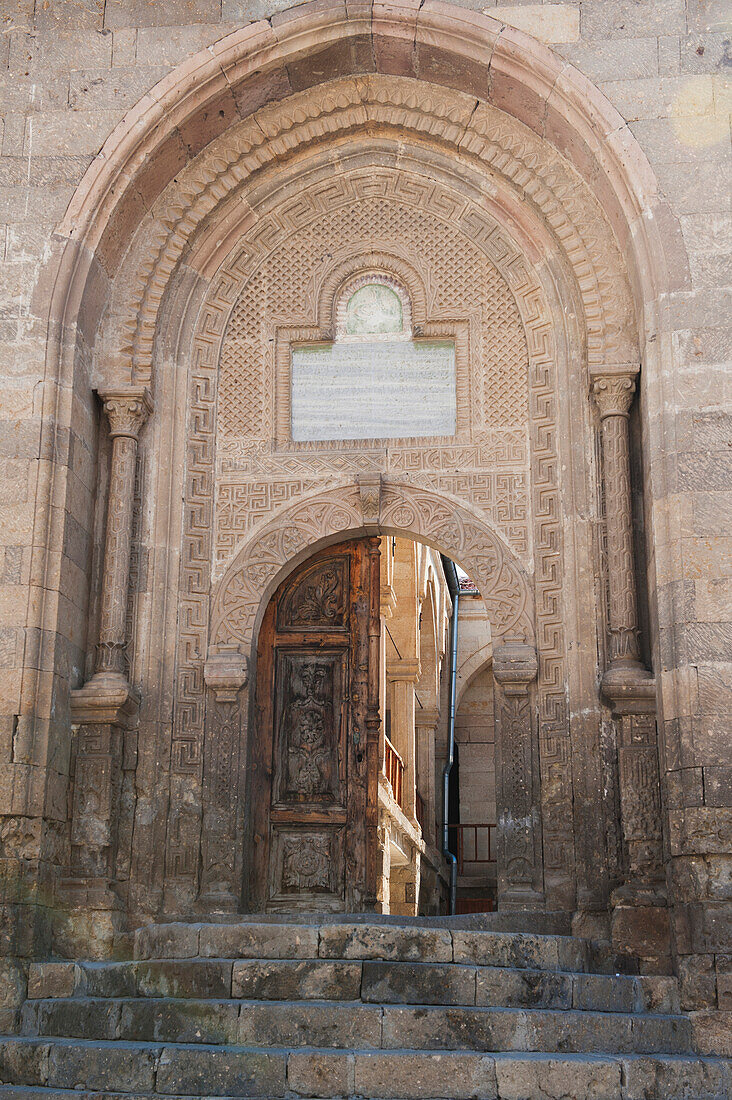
x=71 y=70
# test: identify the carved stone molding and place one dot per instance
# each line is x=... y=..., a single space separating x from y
x=520 y=883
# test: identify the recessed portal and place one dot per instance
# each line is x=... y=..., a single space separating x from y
x=354 y=732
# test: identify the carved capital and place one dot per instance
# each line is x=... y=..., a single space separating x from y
x=226 y=672
x=514 y=667
x=369 y=488
x=427 y=718
x=407 y=669
x=613 y=393
x=127 y=410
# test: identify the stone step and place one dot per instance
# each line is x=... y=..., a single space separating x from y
x=359 y=940
x=67 y=1068
x=345 y=1025
x=499 y=987
x=370 y=980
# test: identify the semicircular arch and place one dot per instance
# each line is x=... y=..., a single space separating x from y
x=278 y=546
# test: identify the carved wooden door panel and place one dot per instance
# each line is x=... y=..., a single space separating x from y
x=313 y=779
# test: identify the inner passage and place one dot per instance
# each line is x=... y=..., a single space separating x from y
x=373 y=389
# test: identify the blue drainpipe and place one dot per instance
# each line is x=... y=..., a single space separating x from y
x=454 y=588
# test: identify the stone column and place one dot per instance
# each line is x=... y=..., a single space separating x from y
x=403 y=675
x=520 y=879
x=126 y=412
x=613 y=395
x=104 y=710
x=426 y=721
x=640 y=923
x=226 y=674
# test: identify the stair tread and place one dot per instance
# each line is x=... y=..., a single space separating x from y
x=373 y=1006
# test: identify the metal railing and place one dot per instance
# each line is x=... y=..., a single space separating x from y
x=475 y=844
x=394 y=770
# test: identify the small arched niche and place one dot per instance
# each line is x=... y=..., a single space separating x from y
x=377 y=379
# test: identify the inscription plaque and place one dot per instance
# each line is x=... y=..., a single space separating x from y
x=373 y=389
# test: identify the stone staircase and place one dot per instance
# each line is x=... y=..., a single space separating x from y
x=345 y=1007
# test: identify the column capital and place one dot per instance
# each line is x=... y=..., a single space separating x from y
x=426 y=717
x=407 y=669
x=127 y=410
x=613 y=391
x=226 y=671
x=514 y=666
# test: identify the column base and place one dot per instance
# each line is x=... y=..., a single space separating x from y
x=107 y=698
x=520 y=897
x=641 y=927
x=91 y=917
x=217 y=901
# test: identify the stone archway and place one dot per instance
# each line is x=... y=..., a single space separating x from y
x=162 y=271
x=374 y=505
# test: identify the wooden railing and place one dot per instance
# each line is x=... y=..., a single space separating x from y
x=394 y=770
x=475 y=844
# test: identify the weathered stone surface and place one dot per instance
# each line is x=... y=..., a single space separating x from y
x=655 y=1079
x=453 y=1029
x=167 y=941
x=179 y=1021
x=418 y=983
x=240 y=941
x=321 y=1074
x=712 y=1032
x=372 y=942
x=290 y=980
x=77 y=1019
x=97 y=1066
x=425 y=1076
x=13 y=983
x=23 y=1062
x=588 y=1079
x=501 y=949
x=169 y=978
x=210 y=1071
x=523 y=988
x=356 y=1026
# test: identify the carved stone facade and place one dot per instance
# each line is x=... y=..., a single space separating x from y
x=229 y=221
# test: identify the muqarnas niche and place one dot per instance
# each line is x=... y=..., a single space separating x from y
x=374 y=381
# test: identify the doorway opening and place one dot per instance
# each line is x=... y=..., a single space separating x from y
x=352 y=735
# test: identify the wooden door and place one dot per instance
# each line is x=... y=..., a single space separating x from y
x=314 y=756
